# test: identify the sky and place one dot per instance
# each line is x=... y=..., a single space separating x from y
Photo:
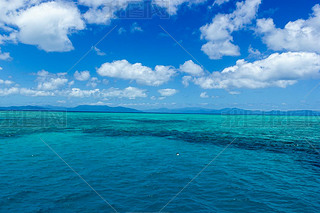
x=250 y=54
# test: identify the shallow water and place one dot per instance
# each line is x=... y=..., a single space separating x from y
x=131 y=160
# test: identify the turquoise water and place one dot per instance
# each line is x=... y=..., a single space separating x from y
x=139 y=162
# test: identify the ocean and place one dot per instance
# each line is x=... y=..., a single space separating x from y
x=135 y=162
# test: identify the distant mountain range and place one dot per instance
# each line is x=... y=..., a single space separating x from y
x=233 y=111
x=105 y=108
x=80 y=108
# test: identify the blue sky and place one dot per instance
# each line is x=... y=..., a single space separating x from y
x=252 y=54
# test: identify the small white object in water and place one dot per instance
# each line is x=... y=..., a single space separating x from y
x=178 y=154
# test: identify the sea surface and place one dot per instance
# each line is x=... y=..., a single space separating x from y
x=82 y=162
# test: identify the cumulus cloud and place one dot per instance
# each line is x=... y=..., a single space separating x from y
x=102 y=11
x=52 y=84
x=129 y=92
x=218 y=32
x=278 y=70
x=79 y=93
x=204 y=95
x=137 y=72
x=253 y=52
x=167 y=92
x=9 y=91
x=93 y=82
x=172 y=6
x=8 y=10
x=191 y=68
x=186 y=80
x=49 y=24
x=299 y=35
x=99 y=15
x=32 y=92
x=6 y=38
x=4 y=55
x=46 y=25
x=6 y=82
x=82 y=76
x=49 y=81
x=24 y=91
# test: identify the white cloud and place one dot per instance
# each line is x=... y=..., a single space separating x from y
x=8 y=10
x=278 y=70
x=6 y=82
x=136 y=28
x=186 y=80
x=24 y=91
x=61 y=102
x=9 y=91
x=167 y=92
x=234 y=92
x=71 y=83
x=204 y=95
x=31 y=92
x=99 y=103
x=172 y=6
x=102 y=11
x=93 y=82
x=191 y=68
x=78 y=93
x=215 y=50
x=141 y=74
x=129 y=92
x=99 y=52
x=299 y=35
x=220 y=2
x=82 y=76
x=218 y=32
x=99 y=15
x=253 y=52
x=52 y=84
x=121 y=30
x=49 y=81
x=4 y=55
x=47 y=25
x=11 y=37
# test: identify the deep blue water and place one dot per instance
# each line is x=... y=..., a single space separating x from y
x=131 y=160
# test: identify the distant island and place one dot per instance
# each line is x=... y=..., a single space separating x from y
x=108 y=109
